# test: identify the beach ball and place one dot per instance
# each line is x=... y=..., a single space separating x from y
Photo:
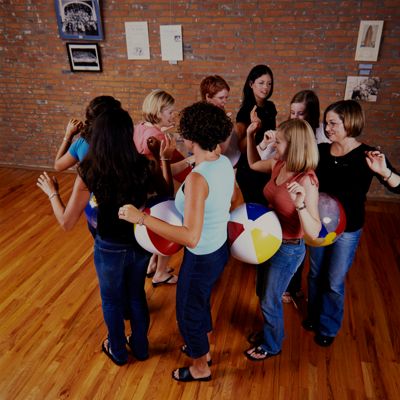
x=165 y=210
x=333 y=219
x=254 y=232
x=91 y=211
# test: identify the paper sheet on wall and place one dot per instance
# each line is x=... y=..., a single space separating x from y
x=137 y=40
x=171 y=42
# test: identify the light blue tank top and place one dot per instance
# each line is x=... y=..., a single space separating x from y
x=79 y=149
x=220 y=179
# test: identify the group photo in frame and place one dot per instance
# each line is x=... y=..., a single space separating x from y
x=84 y=57
x=79 y=19
x=369 y=40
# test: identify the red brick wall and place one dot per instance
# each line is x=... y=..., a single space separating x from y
x=308 y=44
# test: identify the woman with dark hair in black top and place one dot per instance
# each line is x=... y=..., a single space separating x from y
x=257 y=90
x=117 y=174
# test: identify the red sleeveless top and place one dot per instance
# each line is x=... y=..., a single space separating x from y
x=280 y=201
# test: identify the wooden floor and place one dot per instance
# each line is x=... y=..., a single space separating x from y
x=51 y=325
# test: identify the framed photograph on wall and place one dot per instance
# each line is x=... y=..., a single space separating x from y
x=369 y=40
x=364 y=88
x=79 y=19
x=84 y=57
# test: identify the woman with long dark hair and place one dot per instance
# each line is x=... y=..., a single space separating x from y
x=116 y=173
x=256 y=106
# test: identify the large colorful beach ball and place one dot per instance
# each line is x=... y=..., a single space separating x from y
x=254 y=232
x=333 y=219
x=165 y=210
x=91 y=211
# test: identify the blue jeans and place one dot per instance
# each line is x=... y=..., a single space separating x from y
x=326 y=281
x=273 y=277
x=197 y=276
x=121 y=270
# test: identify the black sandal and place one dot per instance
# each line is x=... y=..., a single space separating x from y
x=184 y=375
x=260 y=352
x=106 y=348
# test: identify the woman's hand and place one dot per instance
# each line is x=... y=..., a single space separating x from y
x=269 y=137
x=73 y=128
x=47 y=184
x=377 y=162
x=297 y=193
x=167 y=147
x=254 y=116
x=130 y=213
x=252 y=128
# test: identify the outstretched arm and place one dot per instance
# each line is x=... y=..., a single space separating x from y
x=377 y=162
x=196 y=192
x=67 y=216
x=64 y=160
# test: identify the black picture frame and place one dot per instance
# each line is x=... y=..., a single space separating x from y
x=84 y=57
x=79 y=19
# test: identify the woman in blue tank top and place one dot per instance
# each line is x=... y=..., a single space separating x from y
x=204 y=200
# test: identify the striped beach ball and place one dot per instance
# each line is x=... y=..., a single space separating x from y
x=254 y=232
x=165 y=210
x=333 y=219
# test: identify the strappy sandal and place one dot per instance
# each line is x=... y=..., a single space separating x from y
x=259 y=351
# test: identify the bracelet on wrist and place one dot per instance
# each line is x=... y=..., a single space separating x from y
x=67 y=140
x=165 y=159
x=302 y=207
x=141 y=219
x=389 y=176
x=53 y=195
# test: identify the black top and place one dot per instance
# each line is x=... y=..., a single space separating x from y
x=251 y=182
x=348 y=178
x=267 y=115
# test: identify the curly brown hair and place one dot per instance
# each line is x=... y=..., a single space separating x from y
x=205 y=124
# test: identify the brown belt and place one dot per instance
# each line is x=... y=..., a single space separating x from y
x=291 y=241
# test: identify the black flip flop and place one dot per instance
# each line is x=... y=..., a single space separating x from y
x=164 y=282
x=259 y=351
x=184 y=375
x=151 y=274
x=107 y=351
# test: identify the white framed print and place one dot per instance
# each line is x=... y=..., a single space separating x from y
x=369 y=40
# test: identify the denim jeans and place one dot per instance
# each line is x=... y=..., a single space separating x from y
x=121 y=270
x=326 y=281
x=197 y=276
x=273 y=278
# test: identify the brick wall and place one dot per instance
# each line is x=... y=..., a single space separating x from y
x=308 y=44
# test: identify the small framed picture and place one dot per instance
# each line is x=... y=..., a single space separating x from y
x=363 y=88
x=369 y=40
x=84 y=57
x=79 y=19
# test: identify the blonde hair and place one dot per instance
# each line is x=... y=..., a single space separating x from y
x=302 y=151
x=154 y=104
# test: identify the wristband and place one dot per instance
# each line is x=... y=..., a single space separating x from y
x=53 y=195
x=67 y=140
x=302 y=207
x=165 y=159
x=390 y=175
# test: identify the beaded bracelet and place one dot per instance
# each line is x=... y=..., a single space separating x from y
x=301 y=207
x=141 y=219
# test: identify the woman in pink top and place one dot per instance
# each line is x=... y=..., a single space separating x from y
x=293 y=194
x=158 y=113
